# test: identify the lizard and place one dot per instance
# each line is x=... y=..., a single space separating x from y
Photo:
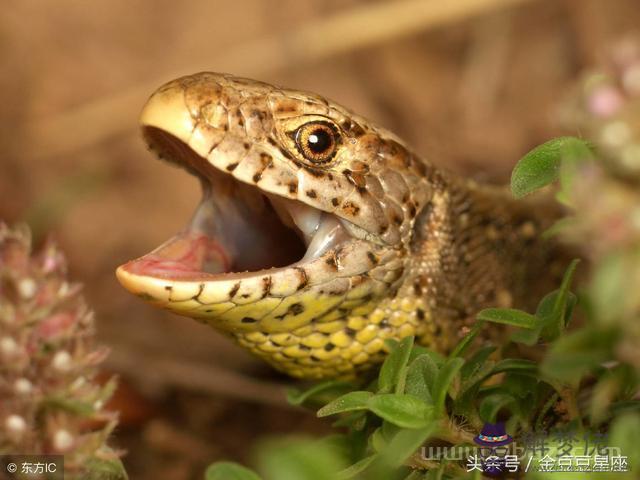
x=321 y=234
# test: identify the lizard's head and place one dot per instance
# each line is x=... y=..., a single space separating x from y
x=306 y=217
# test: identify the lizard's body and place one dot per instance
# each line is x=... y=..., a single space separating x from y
x=394 y=246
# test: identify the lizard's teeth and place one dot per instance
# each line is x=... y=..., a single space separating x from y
x=329 y=234
x=292 y=212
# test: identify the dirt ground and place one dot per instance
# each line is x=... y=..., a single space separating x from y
x=470 y=84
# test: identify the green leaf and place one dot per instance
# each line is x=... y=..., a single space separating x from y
x=229 y=471
x=476 y=362
x=508 y=316
x=573 y=355
x=77 y=407
x=527 y=337
x=519 y=365
x=443 y=381
x=402 y=410
x=625 y=434
x=318 y=392
x=541 y=166
x=358 y=467
x=354 y=420
x=346 y=403
x=377 y=440
x=464 y=344
x=421 y=374
x=394 y=369
x=299 y=458
x=574 y=156
x=562 y=304
x=405 y=443
x=105 y=469
x=491 y=405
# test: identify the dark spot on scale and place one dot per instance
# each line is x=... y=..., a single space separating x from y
x=197 y=295
x=372 y=258
x=271 y=141
x=383 y=229
x=245 y=295
x=241 y=120
x=329 y=346
x=313 y=171
x=311 y=194
x=335 y=202
x=406 y=197
x=266 y=159
x=248 y=320
x=357 y=130
x=208 y=310
x=330 y=176
x=286 y=108
x=234 y=290
x=266 y=286
x=350 y=331
x=302 y=276
x=293 y=187
x=422 y=168
x=304 y=347
x=417 y=288
x=256 y=177
x=397 y=219
x=351 y=209
x=356 y=179
x=412 y=210
x=168 y=288
x=232 y=166
x=246 y=145
x=314 y=358
x=331 y=261
x=296 y=309
x=258 y=114
x=420 y=314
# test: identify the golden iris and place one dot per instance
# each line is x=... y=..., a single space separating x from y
x=317 y=141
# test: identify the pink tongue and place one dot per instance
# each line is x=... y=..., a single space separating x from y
x=185 y=255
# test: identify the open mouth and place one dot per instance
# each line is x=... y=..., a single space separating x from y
x=238 y=230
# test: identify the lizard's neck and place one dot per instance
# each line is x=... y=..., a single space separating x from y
x=474 y=247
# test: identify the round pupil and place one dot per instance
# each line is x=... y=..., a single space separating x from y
x=319 y=140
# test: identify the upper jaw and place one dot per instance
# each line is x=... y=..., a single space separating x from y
x=238 y=230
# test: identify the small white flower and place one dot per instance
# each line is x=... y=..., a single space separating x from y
x=27 y=288
x=61 y=361
x=23 y=386
x=62 y=440
x=15 y=425
x=8 y=347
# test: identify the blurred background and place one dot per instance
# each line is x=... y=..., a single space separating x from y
x=470 y=84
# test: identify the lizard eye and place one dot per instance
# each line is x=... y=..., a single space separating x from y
x=317 y=141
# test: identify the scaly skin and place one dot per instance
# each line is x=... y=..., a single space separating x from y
x=426 y=252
